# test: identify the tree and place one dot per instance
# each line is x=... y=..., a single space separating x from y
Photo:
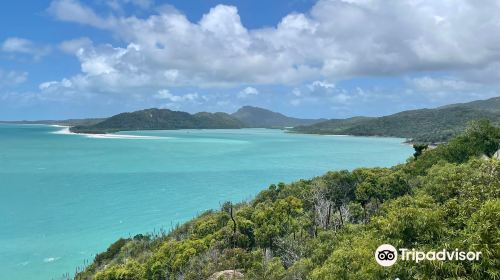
x=276 y=219
x=340 y=189
x=419 y=149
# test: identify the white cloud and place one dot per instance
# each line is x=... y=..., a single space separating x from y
x=15 y=44
x=54 y=85
x=248 y=91
x=321 y=84
x=24 y=46
x=117 y=5
x=337 y=39
x=433 y=84
x=74 y=11
x=12 y=78
x=76 y=45
x=46 y=85
x=165 y=94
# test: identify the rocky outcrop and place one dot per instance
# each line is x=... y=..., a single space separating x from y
x=227 y=275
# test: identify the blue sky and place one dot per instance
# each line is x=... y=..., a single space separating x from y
x=326 y=58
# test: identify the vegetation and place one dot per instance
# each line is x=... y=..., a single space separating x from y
x=422 y=126
x=258 y=117
x=160 y=119
x=328 y=227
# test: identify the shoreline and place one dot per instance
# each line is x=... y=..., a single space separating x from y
x=65 y=131
x=405 y=142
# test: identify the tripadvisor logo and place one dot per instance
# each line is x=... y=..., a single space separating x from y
x=387 y=255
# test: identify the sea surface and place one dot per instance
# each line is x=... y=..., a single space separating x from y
x=66 y=197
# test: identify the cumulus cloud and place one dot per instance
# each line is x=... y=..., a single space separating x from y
x=12 y=78
x=335 y=40
x=24 y=46
x=167 y=95
x=248 y=91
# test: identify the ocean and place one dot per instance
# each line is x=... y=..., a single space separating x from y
x=66 y=197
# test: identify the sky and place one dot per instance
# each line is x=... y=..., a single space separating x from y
x=64 y=59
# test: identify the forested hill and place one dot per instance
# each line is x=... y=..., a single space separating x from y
x=424 y=125
x=155 y=119
x=258 y=117
x=329 y=227
x=160 y=119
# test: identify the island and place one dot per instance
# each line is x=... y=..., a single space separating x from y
x=420 y=126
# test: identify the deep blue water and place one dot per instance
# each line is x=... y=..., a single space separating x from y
x=64 y=198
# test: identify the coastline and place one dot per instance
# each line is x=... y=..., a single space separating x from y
x=65 y=131
x=407 y=141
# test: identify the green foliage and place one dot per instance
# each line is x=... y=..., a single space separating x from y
x=276 y=220
x=410 y=220
x=269 y=270
x=329 y=227
x=111 y=252
x=480 y=138
x=483 y=235
x=173 y=256
x=129 y=271
x=352 y=258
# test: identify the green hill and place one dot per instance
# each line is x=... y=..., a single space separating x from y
x=160 y=119
x=424 y=125
x=329 y=227
x=258 y=117
x=492 y=104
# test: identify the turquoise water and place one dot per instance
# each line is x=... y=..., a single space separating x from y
x=64 y=198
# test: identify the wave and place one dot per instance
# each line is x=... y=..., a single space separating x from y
x=65 y=130
x=120 y=136
x=50 y=259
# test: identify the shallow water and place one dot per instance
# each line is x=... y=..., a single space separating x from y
x=64 y=198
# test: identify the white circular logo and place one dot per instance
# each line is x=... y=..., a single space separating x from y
x=386 y=255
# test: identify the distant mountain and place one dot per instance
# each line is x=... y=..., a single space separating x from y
x=424 y=125
x=160 y=119
x=258 y=117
